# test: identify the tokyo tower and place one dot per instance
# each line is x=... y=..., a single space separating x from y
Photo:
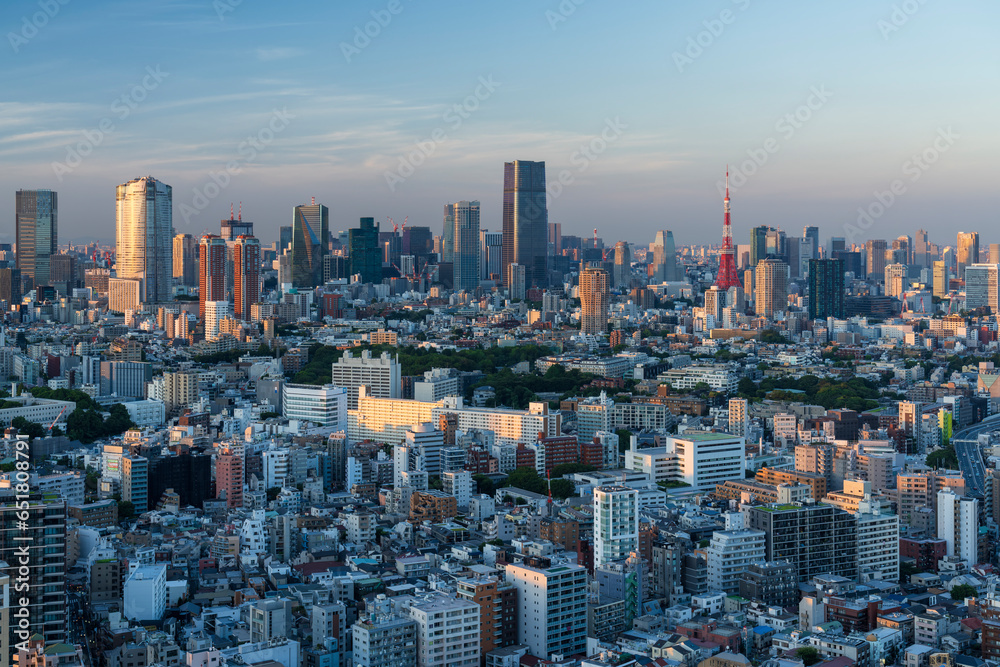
x=728 y=277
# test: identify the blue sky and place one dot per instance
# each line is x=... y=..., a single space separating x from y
x=883 y=85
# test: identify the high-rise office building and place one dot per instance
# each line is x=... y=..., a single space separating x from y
x=215 y=312
x=758 y=244
x=10 y=286
x=465 y=249
x=812 y=233
x=516 y=279
x=826 y=288
x=771 y=294
x=491 y=255
x=525 y=220
x=365 y=254
x=922 y=249
x=381 y=375
x=875 y=258
x=246 y=275
x=36 y=215
x=211 y=271
x=310 y=234
x=664 y=257
x=967 y=252
x=284 y=238
x=233 y=228
x=144 y=236
x=981 y=287
x=594 y=301
x=940 y=280
x=623 y=265
x=555 y=238
x=895 y=279
x=616 y=523
x=448 y=234
x=36 y=543
x=186 y=260
x=419 y=242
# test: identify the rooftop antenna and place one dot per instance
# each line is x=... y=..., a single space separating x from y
x=313 y=201
x=230 y=210
x=241 y=212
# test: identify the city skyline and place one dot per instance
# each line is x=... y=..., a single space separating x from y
x=338 y=122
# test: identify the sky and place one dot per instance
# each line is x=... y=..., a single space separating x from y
x=397 y=107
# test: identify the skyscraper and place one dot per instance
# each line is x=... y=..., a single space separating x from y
x=875 y=250
x=525 y=220
x=36 y=214
x=448 y=234
x=211 y=271
x=758 y=244
x=417 y=241
x=940 y=286
x=284 y=238
x=144 y=236
x=968 y=252
x=246 y=275
x=664 y=257
x=772 y=287
x=981 y=287
x=310 y=231
x=186 y=260
x=10 y=286
x=826 y=288
x=623 y=265
x=491 y=259
x=365 y=254
x=465 y=243
x=922 y=249
x=812 y=233
x=895 y=279
x=594 y=301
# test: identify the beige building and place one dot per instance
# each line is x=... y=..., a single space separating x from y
x=594 y=301
x=772 y=287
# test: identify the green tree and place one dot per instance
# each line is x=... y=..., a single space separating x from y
x=273 y=493
x=31 y=429
x=118 y=420
x=624 y=439
x=85 y=425
x=126 y=510
x=962 y=591
x=808 y=654
x=484 y=484
x=563 y=488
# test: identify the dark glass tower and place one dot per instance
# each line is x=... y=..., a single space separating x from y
x=366 y=255
x=525 y=221
x=826 y=288
x=36 y=226
x=310 y=230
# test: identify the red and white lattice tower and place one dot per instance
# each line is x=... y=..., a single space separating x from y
x=728 y=276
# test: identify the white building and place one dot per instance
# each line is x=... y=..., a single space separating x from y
x=700 y=460
x=550 y=601
x=878 y=543
x=616 y=523
x=146 y=412
x=380 y=374
x=958 y=525
x=145 y=593
x=731 y=551
x=276 y=467
x=447 y=630
x=982 y=289
x=719 y=377
x=325 y=405
x=360 y=527
x=510 y=427
x=437 y=383
x=215 y=312
x=458 y=483
x=424 y=444
x=124 y=294
x=384 y=639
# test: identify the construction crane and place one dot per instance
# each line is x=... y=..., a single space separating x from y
x=53 y=424
x=392 y=222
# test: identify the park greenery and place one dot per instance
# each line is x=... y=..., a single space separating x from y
x=855 y=394
x=943 y=458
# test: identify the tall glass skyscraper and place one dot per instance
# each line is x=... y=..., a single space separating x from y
x=826 y=288
x=525 y=220
x=144 y=232
x=465 y=235
x=36 y=227
x=448 y=235
x=365 y=253
x=664 y=257
x=310 y=230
